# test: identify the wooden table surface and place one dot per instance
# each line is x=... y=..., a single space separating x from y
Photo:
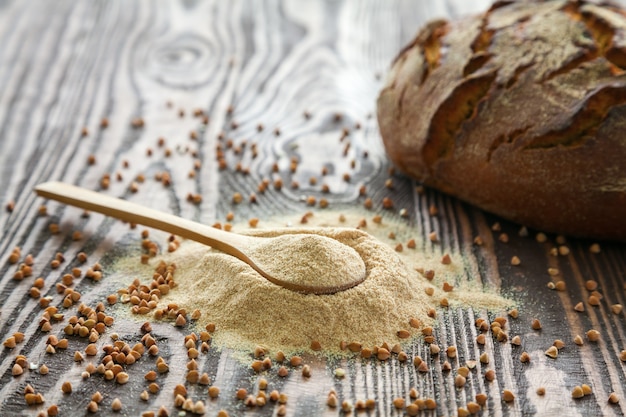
x=65 y=65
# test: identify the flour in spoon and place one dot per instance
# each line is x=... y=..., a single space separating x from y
x=309 y=260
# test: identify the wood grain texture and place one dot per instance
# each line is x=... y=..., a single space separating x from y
x=65 y=65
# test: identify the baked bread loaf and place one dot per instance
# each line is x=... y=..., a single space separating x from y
x=520 y=111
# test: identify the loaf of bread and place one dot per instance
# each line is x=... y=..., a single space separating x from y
x=520 y=111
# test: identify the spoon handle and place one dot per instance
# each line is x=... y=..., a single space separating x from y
x=135 y=213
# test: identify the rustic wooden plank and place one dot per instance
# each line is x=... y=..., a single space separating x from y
x=65 y=65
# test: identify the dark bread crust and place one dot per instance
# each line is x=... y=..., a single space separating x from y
x=520 y=111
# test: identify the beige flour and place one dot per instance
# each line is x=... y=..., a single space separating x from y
x=248 y=310
x=311 y=261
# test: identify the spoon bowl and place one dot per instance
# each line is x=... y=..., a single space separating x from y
x=307 y=273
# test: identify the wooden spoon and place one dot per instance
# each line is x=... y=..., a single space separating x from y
x=350 y=270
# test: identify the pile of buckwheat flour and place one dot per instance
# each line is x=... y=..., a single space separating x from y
x=248 y=310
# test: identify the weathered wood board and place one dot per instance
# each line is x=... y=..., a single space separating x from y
x=66 y=65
